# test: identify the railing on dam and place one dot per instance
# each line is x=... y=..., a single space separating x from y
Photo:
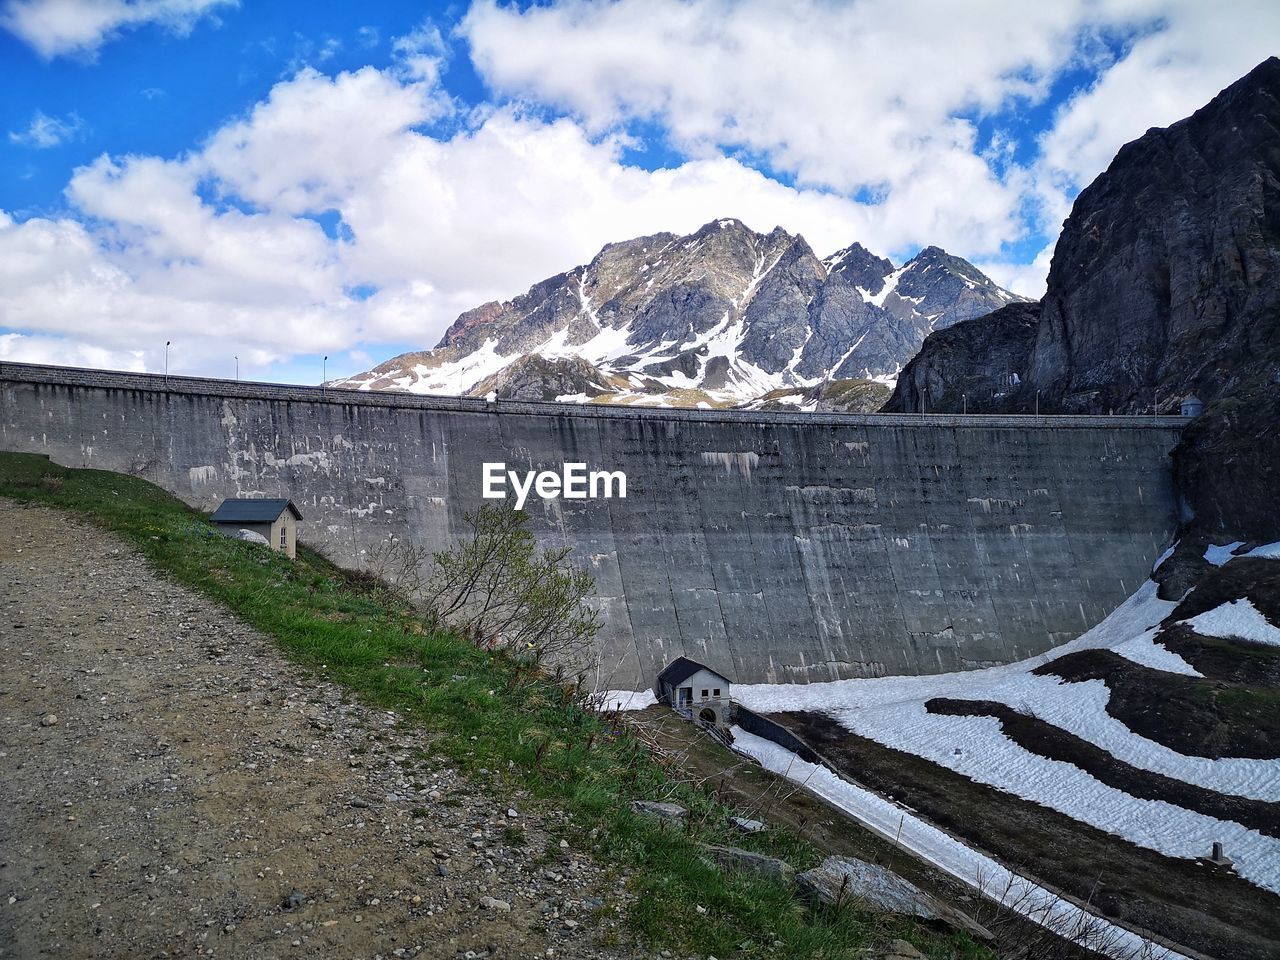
x=295 y=393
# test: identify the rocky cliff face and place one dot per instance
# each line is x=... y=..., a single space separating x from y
x=973 y=366
x=721 y=317
x=1165 y=282
x=1166 y=278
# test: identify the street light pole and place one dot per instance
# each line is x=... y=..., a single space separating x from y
x=237 y=369
x=324 y=373
x=166 y=362
x=964 y=403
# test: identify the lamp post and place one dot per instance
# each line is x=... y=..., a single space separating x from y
x=1037 y=403
x=964 y=403
x=166 y=362
x=237 y=369
x=324 y=373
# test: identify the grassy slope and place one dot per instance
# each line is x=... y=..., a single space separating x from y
x=352 y=631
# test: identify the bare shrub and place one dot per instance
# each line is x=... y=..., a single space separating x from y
x=501 y=590
x=399 y=564
x=1030 y=922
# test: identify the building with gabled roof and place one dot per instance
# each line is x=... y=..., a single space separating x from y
x=275 y=520
x=694 y=689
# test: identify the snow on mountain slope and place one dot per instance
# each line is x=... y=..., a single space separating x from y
x=893 y=711
x=721 y=317
x=944 y=851
x=890 y=710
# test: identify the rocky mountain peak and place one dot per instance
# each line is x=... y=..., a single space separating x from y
x=857 y=265
x=721 y=316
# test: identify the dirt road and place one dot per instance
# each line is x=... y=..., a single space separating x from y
x=171 y=786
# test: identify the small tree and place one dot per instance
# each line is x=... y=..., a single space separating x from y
x=500 y=589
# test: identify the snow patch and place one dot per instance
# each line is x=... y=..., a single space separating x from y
x=947 y=853
x=890 y=284
x=876 y=707
x=1218 y=555
x=1238 y=618
x=1144 y=650
x=626 y=700
x=1270 y=550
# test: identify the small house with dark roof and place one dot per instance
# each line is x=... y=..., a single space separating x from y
x=276 y=521
x=1192 y=406
x=695 y=690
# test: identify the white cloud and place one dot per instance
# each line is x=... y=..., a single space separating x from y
x=45 y=131
x=60 y=27
x=422 y=52
x=848 y=97
x=21 y=348
x=222 y=250
x=266 y=240
x=1027 y=279
x=865 y=97
x=1166 y=75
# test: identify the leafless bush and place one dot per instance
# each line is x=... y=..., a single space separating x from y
x=399 y=564
x=499 y=588
x=1031 y=922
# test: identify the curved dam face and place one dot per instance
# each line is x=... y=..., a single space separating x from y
x=773 y=547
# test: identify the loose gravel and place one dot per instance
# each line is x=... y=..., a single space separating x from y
x=172 y=786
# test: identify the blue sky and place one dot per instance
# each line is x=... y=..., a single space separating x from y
x=281 y=181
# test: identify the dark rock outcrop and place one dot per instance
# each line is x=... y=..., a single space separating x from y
x=971 y=366
x=1166 y=278
x=1164 y=282
x=846 y=881
x=545 y=378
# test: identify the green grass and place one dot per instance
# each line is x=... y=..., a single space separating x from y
x=352 y=630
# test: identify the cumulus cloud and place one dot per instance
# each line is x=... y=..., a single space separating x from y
x=45 y=131
x=862 y=98
x=325 y=218
x=335 y=215
x=878 y=99
x=1166 y=74
x=61 y=27
x=22 y=348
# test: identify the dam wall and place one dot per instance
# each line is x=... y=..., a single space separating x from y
x=773 y=547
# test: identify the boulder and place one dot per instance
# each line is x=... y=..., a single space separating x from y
x=901 y=950
x=839 y=881
x=747 y=861
x=660 y=810
x=252 y=536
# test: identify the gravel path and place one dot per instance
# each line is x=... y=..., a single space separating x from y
x=197 y=795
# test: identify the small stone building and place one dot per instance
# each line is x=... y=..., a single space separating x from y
x=695 y=690
x=1192 y=406
x=274 y=520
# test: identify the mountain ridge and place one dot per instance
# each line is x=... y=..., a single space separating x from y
x=719 y=317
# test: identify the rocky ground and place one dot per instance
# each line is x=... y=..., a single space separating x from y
x=172 y=786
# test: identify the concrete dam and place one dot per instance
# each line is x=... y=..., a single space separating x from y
x=783 y=548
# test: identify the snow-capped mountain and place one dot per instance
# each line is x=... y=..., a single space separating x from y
x=722 y=317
